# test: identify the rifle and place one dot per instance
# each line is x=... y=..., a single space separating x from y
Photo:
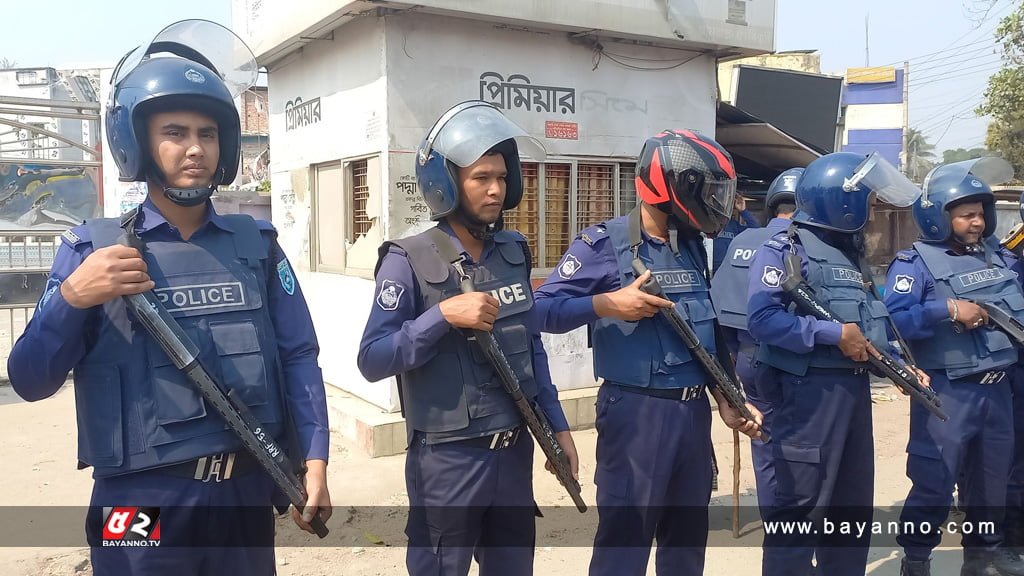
x=905 y=380
x=535 y=420
x=723 y=381
x=183 y=353
x=1003 y=321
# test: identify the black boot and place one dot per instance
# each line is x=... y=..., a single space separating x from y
x=1000 y=562
x=915 y=567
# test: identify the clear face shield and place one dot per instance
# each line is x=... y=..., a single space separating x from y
x=719 y=196
x=882 y=178
x=469 y=129
x=202 y=41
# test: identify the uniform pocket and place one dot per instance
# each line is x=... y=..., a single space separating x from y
x=241 y=360
x=98 y=403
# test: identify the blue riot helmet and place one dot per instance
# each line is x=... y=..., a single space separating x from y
x=458 y=139
x=835 y=190
x=782 y=190
x=190 y=65
x=951 y=184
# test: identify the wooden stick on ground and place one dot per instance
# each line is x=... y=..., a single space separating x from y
x=735 y=484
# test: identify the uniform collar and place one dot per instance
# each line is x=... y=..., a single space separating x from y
x=152 y=218
x=447 y=228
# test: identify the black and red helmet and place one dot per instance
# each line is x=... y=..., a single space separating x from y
x=689 y=176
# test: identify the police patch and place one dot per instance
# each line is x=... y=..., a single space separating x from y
x=390 y=295
x=569 y=267
x=903 y=284
x=771 y=277
x=52 y=284
x=284 y=272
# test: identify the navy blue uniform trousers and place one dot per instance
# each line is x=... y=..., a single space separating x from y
x=760 y=452
x=467 y=502
x=824 y=469
x=206 y=528
x=653 y=481
x=975 y=445
x=1015 y=488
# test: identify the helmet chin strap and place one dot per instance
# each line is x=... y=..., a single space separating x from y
x=479 y=229
x=187 y=197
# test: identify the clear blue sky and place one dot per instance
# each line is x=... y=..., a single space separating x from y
x=945 y=87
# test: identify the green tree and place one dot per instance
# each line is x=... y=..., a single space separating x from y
x=1004 y=97
x=961 y=154
x=920 y=155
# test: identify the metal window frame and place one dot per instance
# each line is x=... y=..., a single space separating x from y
x=542 y=193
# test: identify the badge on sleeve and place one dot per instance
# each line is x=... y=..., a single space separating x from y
x=52 y=285
x=390 y=295
x=771 y=277
x=284 y=272
x=569 y=267
x=903 y=284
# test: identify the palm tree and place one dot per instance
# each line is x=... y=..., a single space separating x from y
x=920 y=155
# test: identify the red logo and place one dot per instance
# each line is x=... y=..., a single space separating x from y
x=131 y=526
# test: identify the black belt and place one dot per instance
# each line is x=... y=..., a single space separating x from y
x=496 y=441
x=680 y=394
x=215 y=467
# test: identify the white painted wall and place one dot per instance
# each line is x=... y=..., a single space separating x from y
x=274 y=27
x=383 y=81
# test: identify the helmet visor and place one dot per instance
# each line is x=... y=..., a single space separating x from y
x=882 y=178
x=991 y=170
x=466 y=131
x=719 y=196
x=201 y=41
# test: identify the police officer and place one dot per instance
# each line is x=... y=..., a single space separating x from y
x=148 y=434
x=729 y=293
x=1014 y=522
x=740 y=221
x=469 y=465
x=821 y=436
x=931 y=290
x=654 y=454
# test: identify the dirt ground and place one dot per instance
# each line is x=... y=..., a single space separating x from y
x=367 y=539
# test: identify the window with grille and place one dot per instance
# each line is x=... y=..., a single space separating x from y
x=557 y=229
x=595 y=194
x=562 y=198
x=525 y=218
x=358 y=176
x=627 y=187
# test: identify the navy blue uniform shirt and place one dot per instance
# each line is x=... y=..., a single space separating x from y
x=57 y=336
x=399 y=339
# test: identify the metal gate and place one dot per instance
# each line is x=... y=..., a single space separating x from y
x=50 y=181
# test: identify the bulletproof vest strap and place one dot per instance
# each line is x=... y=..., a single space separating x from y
x=445 y=247
x=249 y=245
x=635 y=239
x=105 y=232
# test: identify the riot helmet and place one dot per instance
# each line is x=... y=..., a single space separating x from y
x=835 y=191
x=460 y=137
x=782 y=191
x=948 y=185
x=193 y=65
